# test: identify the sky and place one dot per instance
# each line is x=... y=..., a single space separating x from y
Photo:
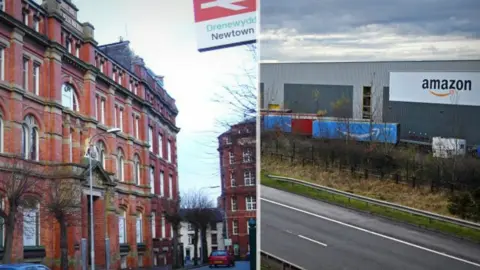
x=370 y=30
x=163 y=34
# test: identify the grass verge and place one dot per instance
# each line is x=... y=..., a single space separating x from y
x=397 y=215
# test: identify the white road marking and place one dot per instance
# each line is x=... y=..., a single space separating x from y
x=306 y=238
x=313 y=241
x=374 y=233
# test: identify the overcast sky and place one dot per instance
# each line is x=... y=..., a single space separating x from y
x=163 y=33
x=332 y=30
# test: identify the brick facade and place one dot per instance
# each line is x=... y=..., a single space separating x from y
x=56 y=80
x=238 y=142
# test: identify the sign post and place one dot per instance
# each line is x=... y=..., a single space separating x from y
x=224 y=23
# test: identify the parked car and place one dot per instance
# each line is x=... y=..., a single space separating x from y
x=23 y=266
x=221 y=257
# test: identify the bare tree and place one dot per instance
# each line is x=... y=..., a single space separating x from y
x=63 y=203
x=242 y=97
x=171 y=212
x=19 y=189
x=198 y=208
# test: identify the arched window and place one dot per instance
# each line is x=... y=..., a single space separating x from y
x=122 y=227
x=30 y=138
x=120 y=165
x=101 y=152
x=139 y=227
x=1 y=133
x=69 y=98
x=136 y=169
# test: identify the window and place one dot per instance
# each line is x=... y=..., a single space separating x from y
x=122 y=228
x=130 y=86
x=101 y=152
x=120 y=165
x=137 y=134
x=31 y=226
x=162 y=183
x=160 y=145
x=214 y=239
x=102 y=63
x=25 y=74
x=2 y=63
x=120 y=119
x=213 y=226
x=135 y=88
x=169 y=151
x=96 y=107
x=190 y=239
x=119 y=78
x=115 y=112
x=367 y=100
x=36 y=24
x=190 y=226
x=233 y=183
x=249 y=178
x=139 y=226
x=30 y=138
x=251 y=203
x=163 y=226
x=2 y=5
x=234 y=204
x=154 y=227
x=231 y=157
x=36 y=78
x=171 y=230
x=114 y=75
x=102 y=111
x=152 y=180
x=68 y=45
x=150 y=138
x=228 y=140
x=77 y=51
x=170 y=186
x=1 y=137
x=235 y=227
x=247 y=155
x=69 y=98
x=70 y=147
x=26 y=18
x=136 y=169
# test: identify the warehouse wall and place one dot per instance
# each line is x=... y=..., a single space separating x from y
x=274 y=76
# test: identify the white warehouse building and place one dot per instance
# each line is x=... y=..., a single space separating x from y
x=416 y=94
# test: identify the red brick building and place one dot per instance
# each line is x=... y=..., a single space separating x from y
x=58 y=88
x=237 y=164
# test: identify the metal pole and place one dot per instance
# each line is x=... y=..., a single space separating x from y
x=92 y=245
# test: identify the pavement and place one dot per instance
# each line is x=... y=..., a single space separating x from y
x=240 y=265
x=317 y=235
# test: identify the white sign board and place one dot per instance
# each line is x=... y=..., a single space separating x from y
x=225 y=23
x=455 y=88
x=228 y=242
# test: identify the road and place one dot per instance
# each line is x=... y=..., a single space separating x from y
x=240 y=265
x=317 y=235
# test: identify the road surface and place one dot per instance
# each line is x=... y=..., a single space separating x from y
x=317 y=235
x=240 y=265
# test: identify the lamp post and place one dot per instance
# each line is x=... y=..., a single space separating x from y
x=92 y=152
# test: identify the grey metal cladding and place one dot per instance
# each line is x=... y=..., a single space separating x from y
x=311 y=98
x=262 y=95
x=452 y=121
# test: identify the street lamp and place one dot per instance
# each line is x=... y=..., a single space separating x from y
x=93 y=152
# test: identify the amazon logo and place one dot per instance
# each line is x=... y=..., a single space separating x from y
x=443 y=88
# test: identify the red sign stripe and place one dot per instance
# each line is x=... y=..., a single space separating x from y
x=217 y=12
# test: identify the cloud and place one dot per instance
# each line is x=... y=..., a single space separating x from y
x=329 y=30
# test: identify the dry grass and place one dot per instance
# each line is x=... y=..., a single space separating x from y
x=419 y=198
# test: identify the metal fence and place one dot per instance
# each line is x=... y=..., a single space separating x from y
x=269 y=261
x=429 y=215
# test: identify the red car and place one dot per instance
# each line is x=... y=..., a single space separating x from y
x=221 y=257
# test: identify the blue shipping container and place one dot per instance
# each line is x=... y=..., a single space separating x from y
x=358 y=131
x=281 y=122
